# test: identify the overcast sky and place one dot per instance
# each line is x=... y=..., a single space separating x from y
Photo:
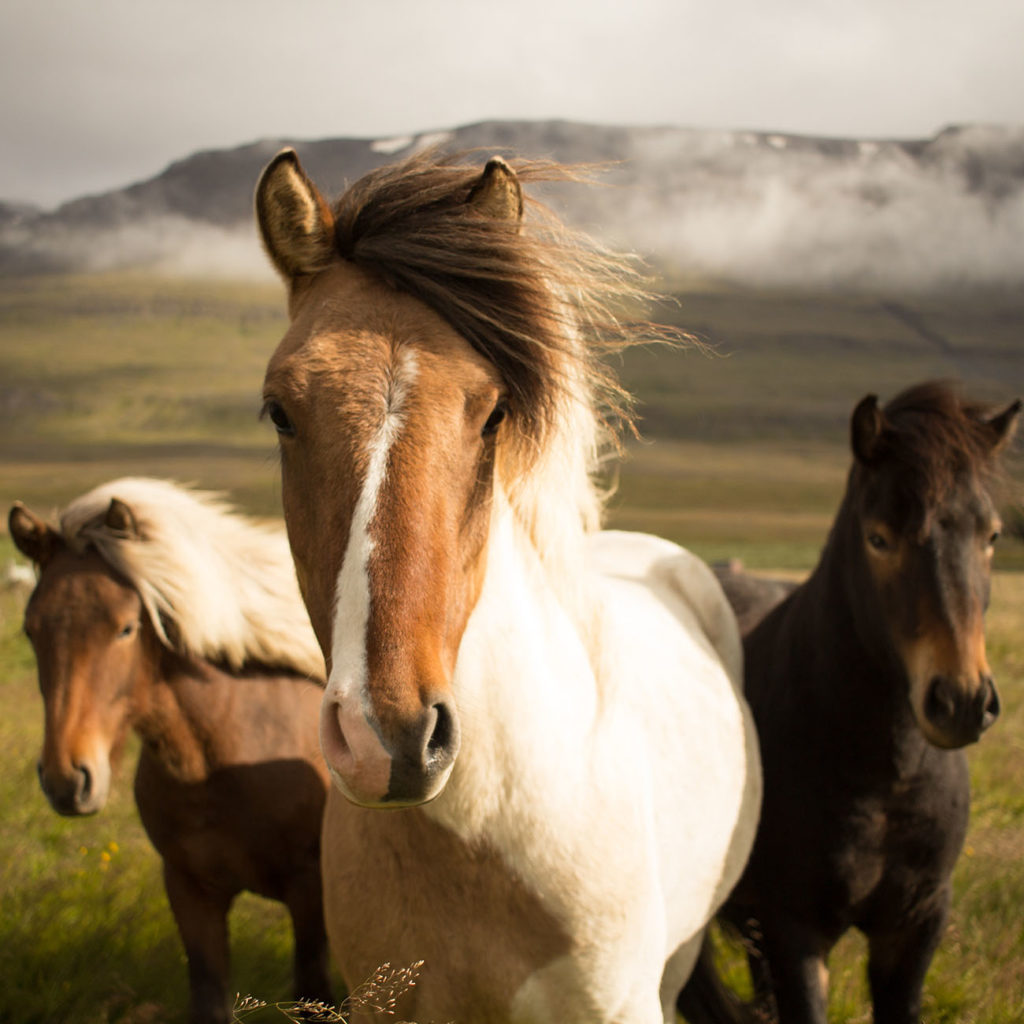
x=96 y=95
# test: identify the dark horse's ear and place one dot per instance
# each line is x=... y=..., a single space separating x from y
x=31 y=535
x=1003 y=425
x=120 y=520
x=866 y=427
x=497 y=193
x=294 y=219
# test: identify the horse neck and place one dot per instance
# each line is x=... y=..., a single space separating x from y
x=556 y=503
x=527 y=645
x=178 y=715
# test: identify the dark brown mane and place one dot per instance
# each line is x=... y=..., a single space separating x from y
x=540 y=302
x=937 y=437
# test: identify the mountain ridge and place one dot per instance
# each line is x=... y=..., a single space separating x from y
x=748 y=207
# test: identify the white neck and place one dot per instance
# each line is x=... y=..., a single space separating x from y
x=524 y=684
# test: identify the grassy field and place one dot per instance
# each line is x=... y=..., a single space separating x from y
x=744 y=455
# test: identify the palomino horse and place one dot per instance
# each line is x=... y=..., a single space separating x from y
x=158 y=609
x=865 y=683
x=559 y=718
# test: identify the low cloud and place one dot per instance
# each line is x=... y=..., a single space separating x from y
x=741 y=208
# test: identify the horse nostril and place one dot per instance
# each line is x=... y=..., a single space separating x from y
x=992 y=706
x=940 y=703
x=441 y=735
x=84 y=783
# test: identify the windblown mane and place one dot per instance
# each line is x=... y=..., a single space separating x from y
x=938 y=437
x=216 y=584
x=541 y=302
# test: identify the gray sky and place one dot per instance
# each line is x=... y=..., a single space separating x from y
x=103 y=93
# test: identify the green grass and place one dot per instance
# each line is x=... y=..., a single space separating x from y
x=744 y=455
x=104 y=376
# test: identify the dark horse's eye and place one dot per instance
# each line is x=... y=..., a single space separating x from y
x=276 y=414
x=127 y=630
x=993 y=538
x=878 y=542
x=494 y=420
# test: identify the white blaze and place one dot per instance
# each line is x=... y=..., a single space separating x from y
x=352 y=590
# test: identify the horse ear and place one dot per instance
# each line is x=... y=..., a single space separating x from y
x=1003 y=425
x=120 y=520
x=866 y=429
x=294 y=219
x=497 y=193
x=31 y=536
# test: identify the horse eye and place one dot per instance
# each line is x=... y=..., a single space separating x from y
x=127 y=631
x=993 y=538
x=494 y=420
x=276 y=414
x=878 y=542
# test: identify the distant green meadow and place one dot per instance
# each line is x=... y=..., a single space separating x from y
x=742 y=454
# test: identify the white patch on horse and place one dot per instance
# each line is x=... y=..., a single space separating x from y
x=352 y=590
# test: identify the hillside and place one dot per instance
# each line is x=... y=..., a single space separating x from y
x=752 y=209
x=743 y=448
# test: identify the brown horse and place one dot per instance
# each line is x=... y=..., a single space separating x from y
x=545 y=779
x=160 y=610
x=865 y=682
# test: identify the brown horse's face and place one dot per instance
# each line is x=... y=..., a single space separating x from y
x=929 y=561
x=85 y=627
x=387 y=422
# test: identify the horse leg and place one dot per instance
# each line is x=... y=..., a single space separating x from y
x=705 y=999
x=749 y=930
x=304 y=900
x=202 y=918
x=795 y=964
x=899 y=961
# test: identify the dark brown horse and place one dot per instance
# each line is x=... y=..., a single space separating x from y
x=159 y=610
x=865 y=683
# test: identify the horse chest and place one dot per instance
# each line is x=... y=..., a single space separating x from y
x=853 y=851
x=400 y=887
x=243 y=827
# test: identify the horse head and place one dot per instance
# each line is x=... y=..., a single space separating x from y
x=87 y=628
x=925 y=529
x=389 y=422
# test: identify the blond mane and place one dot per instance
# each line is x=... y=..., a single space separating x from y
x=216 y=584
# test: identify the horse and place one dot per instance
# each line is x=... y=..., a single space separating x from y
x=159 y=609
x=545 y=779
x=750 y=597
x=866 y=682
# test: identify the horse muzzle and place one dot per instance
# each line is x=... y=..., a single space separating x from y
x=398 y=763
x=77 y=790
x=956 y=715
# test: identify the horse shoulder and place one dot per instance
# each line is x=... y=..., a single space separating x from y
x=698 y=731
x=678 y=577
x=251 y=822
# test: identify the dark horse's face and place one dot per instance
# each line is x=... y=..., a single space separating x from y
x=927 y=527
x=85 y=626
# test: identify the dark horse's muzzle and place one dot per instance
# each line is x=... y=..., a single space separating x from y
x=957 y=715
